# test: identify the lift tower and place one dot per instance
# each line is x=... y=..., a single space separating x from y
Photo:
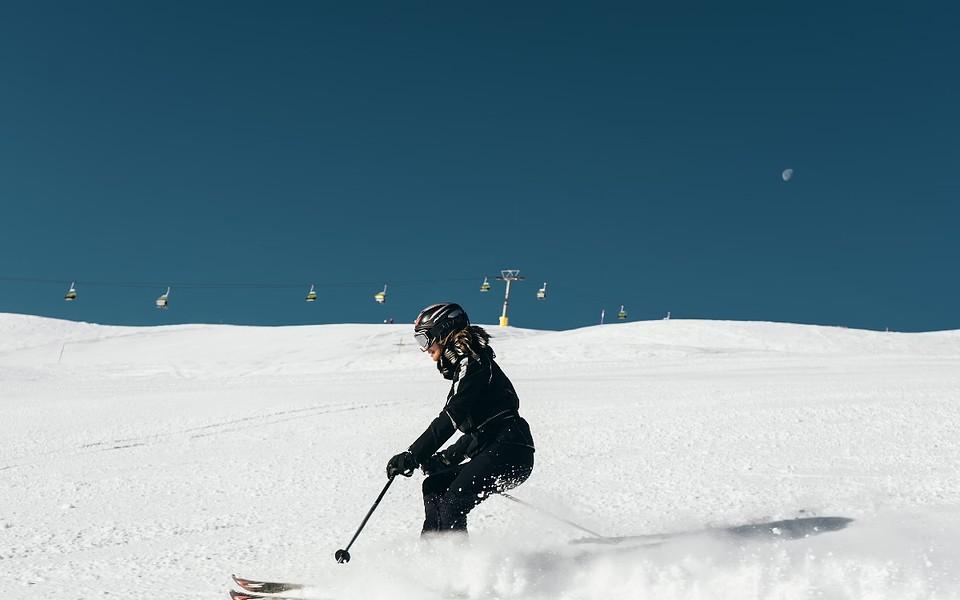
x=508 y=275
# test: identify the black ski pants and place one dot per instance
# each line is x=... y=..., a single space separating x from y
x=450 y=494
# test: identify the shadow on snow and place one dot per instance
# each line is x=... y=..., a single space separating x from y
x=788 y=529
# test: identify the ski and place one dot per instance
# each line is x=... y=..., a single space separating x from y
x=235 y=595
x=266 y=587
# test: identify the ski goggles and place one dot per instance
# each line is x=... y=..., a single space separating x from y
x=423 y=340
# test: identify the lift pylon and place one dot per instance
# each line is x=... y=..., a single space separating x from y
x=508 y=275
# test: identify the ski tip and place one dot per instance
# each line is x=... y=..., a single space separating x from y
x=264 y=587
x=244 y=584
x=235 y=595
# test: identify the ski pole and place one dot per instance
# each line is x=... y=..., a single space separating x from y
x=343 y=555
x=550 y=514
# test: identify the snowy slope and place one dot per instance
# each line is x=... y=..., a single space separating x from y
x=162 y=459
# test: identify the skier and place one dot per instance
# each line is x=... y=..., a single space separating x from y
x=483 y=405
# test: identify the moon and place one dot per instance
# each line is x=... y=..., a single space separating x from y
x=787 y=174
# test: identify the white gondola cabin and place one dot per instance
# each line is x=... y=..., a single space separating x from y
x=162 y=301
x=542 y=292
x=311 y=295
x=71 y=294
x=381 y=297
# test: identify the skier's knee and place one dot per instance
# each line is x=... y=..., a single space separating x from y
x=453 y=511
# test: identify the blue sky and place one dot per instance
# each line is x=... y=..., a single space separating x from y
x=622 y=153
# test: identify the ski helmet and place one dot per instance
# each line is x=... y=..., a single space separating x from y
x=436 y=321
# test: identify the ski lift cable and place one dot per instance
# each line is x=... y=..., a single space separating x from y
x=227 y=285
x=230 y=285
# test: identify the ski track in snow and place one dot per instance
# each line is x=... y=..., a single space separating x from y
x=161 y=460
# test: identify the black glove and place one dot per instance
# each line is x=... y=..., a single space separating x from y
x=401 y=464
x=436 y=463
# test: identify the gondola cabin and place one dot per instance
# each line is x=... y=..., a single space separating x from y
x=381 y=297
x=622 y=315
x=163 y=300
x=485 y=286
x=311 y=295
x=542 y=292
x=71 y=294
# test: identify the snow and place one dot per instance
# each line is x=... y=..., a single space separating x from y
x=161 y=460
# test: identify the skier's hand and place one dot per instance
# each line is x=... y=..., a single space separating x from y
x=436 y=463
x=401 y=464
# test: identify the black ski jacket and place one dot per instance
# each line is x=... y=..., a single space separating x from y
x=481 y=403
